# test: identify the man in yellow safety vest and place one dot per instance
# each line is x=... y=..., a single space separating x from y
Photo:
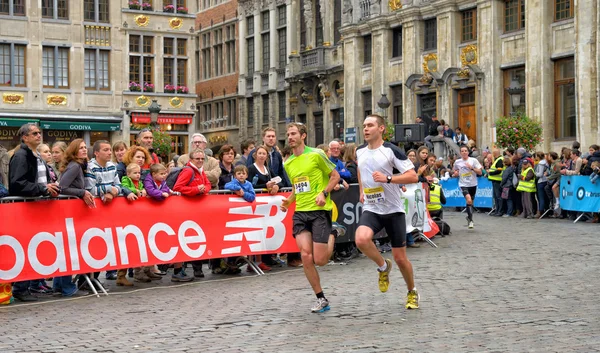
x=495 y=176
x=436 y=199
x=527 y=187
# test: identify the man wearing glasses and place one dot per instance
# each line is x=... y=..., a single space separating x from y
x=28 y=176
x=145 y=139
x=211 y=164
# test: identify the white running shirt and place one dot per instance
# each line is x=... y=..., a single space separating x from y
x=466 y=176
x=381 y=198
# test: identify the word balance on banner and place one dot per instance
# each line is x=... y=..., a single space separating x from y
x=269 y=229
x=82 y=240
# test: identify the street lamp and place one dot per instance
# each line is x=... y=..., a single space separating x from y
x=515 y=90
x=383 y=104
x=154 y=110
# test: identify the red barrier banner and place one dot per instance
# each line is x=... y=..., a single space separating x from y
x=55 y=238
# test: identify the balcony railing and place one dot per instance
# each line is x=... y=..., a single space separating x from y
x=313 y=58
x=365 y=9
x=97 y=35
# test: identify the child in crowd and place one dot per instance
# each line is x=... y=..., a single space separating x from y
x=156 y=185
x=132 y=180
x=239 y=185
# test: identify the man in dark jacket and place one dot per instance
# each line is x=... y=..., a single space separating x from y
x=28 y=176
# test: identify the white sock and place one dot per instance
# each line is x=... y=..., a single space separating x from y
x=557 y=201
x=384 y=267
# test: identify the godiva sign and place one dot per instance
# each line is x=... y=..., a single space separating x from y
x=79 y=126
x=7 y=122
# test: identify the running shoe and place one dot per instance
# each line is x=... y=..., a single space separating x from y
x=384 y=277
x=338 y=230
x=471 y=224
x=181 y=277
x=321 y=306
x=412 y=299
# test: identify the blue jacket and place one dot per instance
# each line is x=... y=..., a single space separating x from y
x=235 y=185
x=341 y=168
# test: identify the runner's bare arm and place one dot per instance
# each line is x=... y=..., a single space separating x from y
x=334 y=179
x=408 y=177
x=360 y=187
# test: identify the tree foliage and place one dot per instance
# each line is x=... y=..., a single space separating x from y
x=518 y=131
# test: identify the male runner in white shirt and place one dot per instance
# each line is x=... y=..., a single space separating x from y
x=466 y=169
x=381 y=167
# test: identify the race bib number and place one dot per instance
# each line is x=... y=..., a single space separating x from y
x=301 y=185
x=374 y=195
x=466 y=176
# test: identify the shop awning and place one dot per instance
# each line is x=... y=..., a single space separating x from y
x=8 y=122
x=179 y=119
x=79 y=125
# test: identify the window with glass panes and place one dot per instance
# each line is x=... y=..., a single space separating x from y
x=12 y=7
x=397 y=42
x=266 y=52
x=230 y=46
x=55 y=9
x=206 y=56
x=175 y=61
x=55 y=67
x=141 y=59
x=337 y=20
x=250 y=111
x=282 y=104
x=250 y=25
x=367 y=104
x=96 y=69
x=430 y=40
x=231 y=112
x=208 y=113
x=563 y=9
x=469 y=25
x=302 y=26
x=12 y=65
x=96 y=11
x=518 y=76
x=265 y=109
x=282 y=36
x=318 y=25
x=397 y=104
x=514 y=15
x=250 y=55
x=265 y=20
x=564 y=99
x=367 y=49
x=218 y=51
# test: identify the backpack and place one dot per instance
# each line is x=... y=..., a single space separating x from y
x=443 y=226
x=174 y=175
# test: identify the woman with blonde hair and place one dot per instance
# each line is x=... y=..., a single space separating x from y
x=58 y=157
x=350 y=162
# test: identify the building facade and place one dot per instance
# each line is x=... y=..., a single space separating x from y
x=291 y=64
x=68 y=65
x=217 y=72
x=471 y=62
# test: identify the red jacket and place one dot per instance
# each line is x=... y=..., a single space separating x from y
x=186 y=188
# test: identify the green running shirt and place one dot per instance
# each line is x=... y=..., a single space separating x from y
x=309 y=174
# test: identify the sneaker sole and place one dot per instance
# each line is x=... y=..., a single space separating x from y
x=322 y=310
x=181 y=280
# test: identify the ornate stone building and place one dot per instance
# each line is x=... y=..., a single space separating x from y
x=68 y=65
x=291 y=65
x=471 y=62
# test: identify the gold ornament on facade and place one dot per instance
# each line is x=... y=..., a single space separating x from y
x=13 y=98
x=430 y=63
x=395 y=5
x=142 y=20
x=426 y=78
x=294 y=52
x=175 y=23
x=142 y=101
x=468 y=55
x=175 y=102
x=326 y=44
x=56 y=100
x=217 y=139
x=464 y=73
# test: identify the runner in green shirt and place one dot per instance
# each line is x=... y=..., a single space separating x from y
x=313 y=177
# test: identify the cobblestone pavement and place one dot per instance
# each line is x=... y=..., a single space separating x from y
x=509 y=285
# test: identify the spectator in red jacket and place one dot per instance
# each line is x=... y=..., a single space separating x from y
x=192 y=180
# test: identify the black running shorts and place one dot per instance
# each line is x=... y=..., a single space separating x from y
x=469 y=190
x=393 y=223
x=318 y=223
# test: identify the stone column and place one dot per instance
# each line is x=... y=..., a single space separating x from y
x=539 y=73
x=447 y=53
x=293 y=26
x=490 y=88
x=257 y=44
x=411 y=64
x=242 y=60
x=587 y=63
x=352 y=82
x=327 y=17
x=381 y=39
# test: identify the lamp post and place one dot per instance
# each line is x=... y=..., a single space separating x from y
x=383 y=104
x=515 y=91
x=154 y=110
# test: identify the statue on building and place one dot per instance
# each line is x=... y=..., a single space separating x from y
x=308 y=17
x=347 y=12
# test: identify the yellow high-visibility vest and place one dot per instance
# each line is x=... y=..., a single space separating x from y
x=434 y=203
x=497 y=177
x=526 y=186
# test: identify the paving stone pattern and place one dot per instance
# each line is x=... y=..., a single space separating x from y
x=509 y=285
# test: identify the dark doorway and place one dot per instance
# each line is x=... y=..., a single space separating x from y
x=319 y=129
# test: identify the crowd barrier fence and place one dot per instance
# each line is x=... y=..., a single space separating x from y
x=454 y=197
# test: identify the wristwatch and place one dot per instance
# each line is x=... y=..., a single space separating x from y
x=325 y=193
x=389 y=179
